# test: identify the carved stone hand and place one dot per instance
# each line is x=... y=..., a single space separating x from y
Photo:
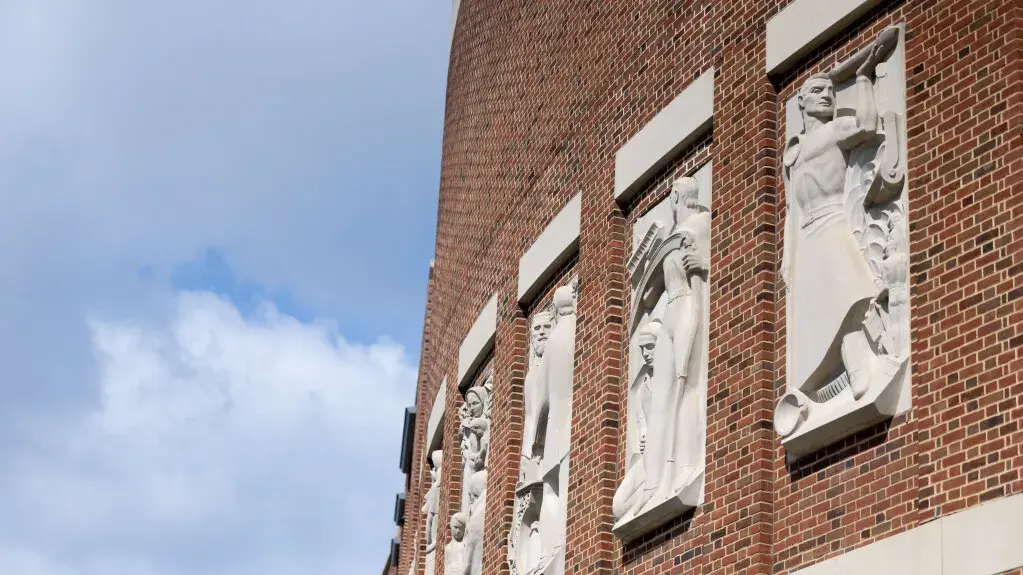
x=693 y=263
x=866 y=69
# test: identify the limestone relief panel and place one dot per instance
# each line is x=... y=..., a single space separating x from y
x=431 y=508
x=536 y=542
x=667 y=402
x=464 y=554
x=845 y=263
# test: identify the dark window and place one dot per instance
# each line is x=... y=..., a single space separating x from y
x=399 y=509
x=407 y=438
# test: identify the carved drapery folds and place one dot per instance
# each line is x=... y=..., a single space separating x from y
x=464 y=554
x=846 y=253
x=665 y=461
x=536 y=542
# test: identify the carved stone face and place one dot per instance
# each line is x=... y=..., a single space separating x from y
x=647 y=351
x=457 y=530
x=475 y=404
x=541 y=330
x=817 y=98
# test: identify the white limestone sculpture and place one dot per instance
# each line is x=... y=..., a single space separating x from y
x=667 y=427
x=431 y=508
x=536 y=542
x=630 y=494
x=454 y=551
x=475 y=446
x=473 y=550
x=475 y=430
x=845 y=261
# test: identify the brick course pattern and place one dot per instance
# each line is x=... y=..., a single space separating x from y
x=540 y=97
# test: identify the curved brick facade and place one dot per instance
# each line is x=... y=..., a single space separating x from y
x=541 y=96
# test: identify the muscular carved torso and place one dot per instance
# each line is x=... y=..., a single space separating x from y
x=817 y=176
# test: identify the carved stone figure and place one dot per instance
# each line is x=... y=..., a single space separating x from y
x=431 y=508
x=537 y=538
x=668 y=399
x=629 y=496
x=473 y=550
x=475 y=446
x=845 y=259
x=454 y=552
x=535 y=388
x=475 y=428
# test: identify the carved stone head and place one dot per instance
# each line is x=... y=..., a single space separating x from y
x=437 y=457
x=475 y=402
x=647 y=339
x=543 y=323
x=817 y=97
x=458 y=521
x=685 y=198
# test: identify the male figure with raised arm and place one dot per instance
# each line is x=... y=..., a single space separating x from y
x=830 y=282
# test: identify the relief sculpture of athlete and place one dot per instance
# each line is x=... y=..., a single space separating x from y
x=830 y=281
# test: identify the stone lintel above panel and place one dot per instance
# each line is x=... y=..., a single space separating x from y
x=678 y=125
x=433 y=426
x=806 y=24
x=478 y=341
x=552 y=248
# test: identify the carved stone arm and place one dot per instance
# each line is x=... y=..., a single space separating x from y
x=855 y=131
x=866 y=106
x=866 y=62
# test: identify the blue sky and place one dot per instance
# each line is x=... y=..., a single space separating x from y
x=217 y=219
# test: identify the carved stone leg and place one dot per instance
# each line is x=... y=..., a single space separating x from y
x=628 y=497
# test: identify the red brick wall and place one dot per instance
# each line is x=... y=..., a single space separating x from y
x=540 y=97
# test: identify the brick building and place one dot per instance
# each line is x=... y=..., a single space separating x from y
x=567 y=121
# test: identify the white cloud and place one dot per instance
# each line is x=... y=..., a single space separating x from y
x=218 y=444
x=169 y=435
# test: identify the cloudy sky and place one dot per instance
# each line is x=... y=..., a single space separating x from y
x=216 y=223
